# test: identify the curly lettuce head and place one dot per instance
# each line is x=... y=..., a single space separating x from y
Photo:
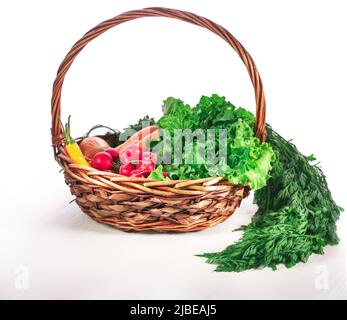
x=247 y=161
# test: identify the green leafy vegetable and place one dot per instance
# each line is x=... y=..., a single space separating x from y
x=247 y=161
x=176 y=115
x=296 y=216
x=157 y=174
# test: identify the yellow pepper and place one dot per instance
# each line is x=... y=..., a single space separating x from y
x=72 y=148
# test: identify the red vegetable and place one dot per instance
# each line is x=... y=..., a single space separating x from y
x=145 y=165
x=126 y=169
x=102 y=161
x=145 y=162
x=165 y=174
x=132 y=154
x=152 y=156
x=114 y=153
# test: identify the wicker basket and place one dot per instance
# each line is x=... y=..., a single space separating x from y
x=142 y=204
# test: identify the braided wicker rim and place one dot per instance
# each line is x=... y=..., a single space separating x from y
x=140 y=203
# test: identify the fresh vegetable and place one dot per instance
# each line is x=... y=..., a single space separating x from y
x=90 y=146
x=126 y=169
x=145 y=165
x=111 y=136
x=71 y=147
x=149 y=156
x=247 y=160
x=296 y=215
x=114 y=153
x=140 y=138
x=132 y=154
x=158 y=174
x=177 y=115
x=102 y=161
x=137 y=163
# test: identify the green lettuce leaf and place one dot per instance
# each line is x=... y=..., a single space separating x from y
x=176 y=115
x=248 y=161
x=157 y=174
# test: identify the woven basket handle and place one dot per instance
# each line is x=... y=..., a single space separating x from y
x=157 y=12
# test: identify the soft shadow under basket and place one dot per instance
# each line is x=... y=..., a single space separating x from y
x=141 y=204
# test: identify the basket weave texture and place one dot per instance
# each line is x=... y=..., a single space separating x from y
x=141 y=204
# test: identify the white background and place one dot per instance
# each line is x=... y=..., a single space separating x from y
x=300 y=50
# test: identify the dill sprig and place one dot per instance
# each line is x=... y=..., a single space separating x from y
x=296 y=215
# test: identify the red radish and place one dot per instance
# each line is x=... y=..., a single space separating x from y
x=145 y=165
x=114 y=153
x=102 y=161
x=165 y=174
x=152 y=156
x=132 y=154
x=123 y=159
x=126 y=169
